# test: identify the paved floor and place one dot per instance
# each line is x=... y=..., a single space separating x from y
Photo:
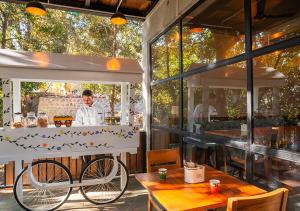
x=134 y=199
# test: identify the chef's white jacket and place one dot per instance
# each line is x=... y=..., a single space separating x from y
x=90 y=116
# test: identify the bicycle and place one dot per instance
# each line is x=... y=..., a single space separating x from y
x=100 y=183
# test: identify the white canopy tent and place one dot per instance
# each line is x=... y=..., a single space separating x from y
x=38 y=66
x=232 y=77
x=53 y=66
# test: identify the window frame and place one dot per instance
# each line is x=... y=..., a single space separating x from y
x=247 y=57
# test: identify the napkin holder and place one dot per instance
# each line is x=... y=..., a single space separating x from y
x=194 y=174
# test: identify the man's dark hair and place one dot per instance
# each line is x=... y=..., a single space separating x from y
x=87 y=92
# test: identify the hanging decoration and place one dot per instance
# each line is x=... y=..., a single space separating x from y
x=35 y=8
x=118 y=18
x=196 y=29
x=113 y=64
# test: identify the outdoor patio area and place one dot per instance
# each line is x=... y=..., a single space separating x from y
x=134 y=199
x=158 y=105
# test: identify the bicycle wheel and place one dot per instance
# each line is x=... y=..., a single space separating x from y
x=107 y=192
x=42 y=199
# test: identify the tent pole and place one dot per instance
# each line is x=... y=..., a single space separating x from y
x=16 y=95
x=124 y=97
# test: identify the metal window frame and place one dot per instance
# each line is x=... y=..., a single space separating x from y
x=247 y=57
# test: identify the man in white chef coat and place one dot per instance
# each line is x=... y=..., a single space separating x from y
x=199 y=114
x=89 y=114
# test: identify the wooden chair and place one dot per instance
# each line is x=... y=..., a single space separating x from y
x=166 y=158
x=272 y=201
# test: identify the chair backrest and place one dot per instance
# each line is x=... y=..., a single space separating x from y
x=273 y=201
x=166 y=158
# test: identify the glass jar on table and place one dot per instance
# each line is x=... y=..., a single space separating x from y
x=42 y=120
x=19 y=120
x=31 y=120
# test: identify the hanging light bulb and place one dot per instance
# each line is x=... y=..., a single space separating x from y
x=118 y=18
x=35 y=8
x=196 y=30
x=113 y=64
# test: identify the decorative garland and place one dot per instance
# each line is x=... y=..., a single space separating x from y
x=6 y=102
x=132 y=102
x=121 y=134
x=46 y=146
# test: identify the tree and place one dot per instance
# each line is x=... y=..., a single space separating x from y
x=61 y=32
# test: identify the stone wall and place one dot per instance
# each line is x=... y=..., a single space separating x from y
x=65 y=105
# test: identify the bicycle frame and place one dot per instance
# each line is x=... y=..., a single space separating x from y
x=47 y=186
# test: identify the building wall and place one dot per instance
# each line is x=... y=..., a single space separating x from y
x=163 y=15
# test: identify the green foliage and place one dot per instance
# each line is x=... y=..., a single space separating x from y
x=29 y=87
x=238 y=108
x=164 y=96
x=64 y=32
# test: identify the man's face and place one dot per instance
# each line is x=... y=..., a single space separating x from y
x=87 y=100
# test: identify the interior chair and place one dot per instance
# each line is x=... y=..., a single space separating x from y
x=237 y=160
x=166 y=158
x=273 y=201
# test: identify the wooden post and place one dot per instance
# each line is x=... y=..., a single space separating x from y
x=7 y=103
x=124 y=100
x=132 y=102
x=16 y=95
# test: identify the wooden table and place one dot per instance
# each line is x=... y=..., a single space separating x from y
x=175 y=194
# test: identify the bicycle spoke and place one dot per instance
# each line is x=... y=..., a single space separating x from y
x=107 y=192
x=44 y=199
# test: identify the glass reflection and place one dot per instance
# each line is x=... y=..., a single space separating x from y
x=274 y=21
x=277 y=100
x=213 y=31
x=165 y=55
x=163 y=140
x=215 y=101
x=274 y=173
x=165 y=104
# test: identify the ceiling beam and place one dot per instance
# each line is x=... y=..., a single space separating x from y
x=94 y=9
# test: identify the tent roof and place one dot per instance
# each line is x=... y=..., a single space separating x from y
x=53 y=66
x=235 y=77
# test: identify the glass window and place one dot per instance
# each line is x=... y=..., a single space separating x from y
x=215 y=102
x=228 y=159
x=215 y=109
x=213 y=31
x=275 y=173
x=165 y=104
x=277 y=99
x=165 y=55
x=274 y=21
x=163 y=140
